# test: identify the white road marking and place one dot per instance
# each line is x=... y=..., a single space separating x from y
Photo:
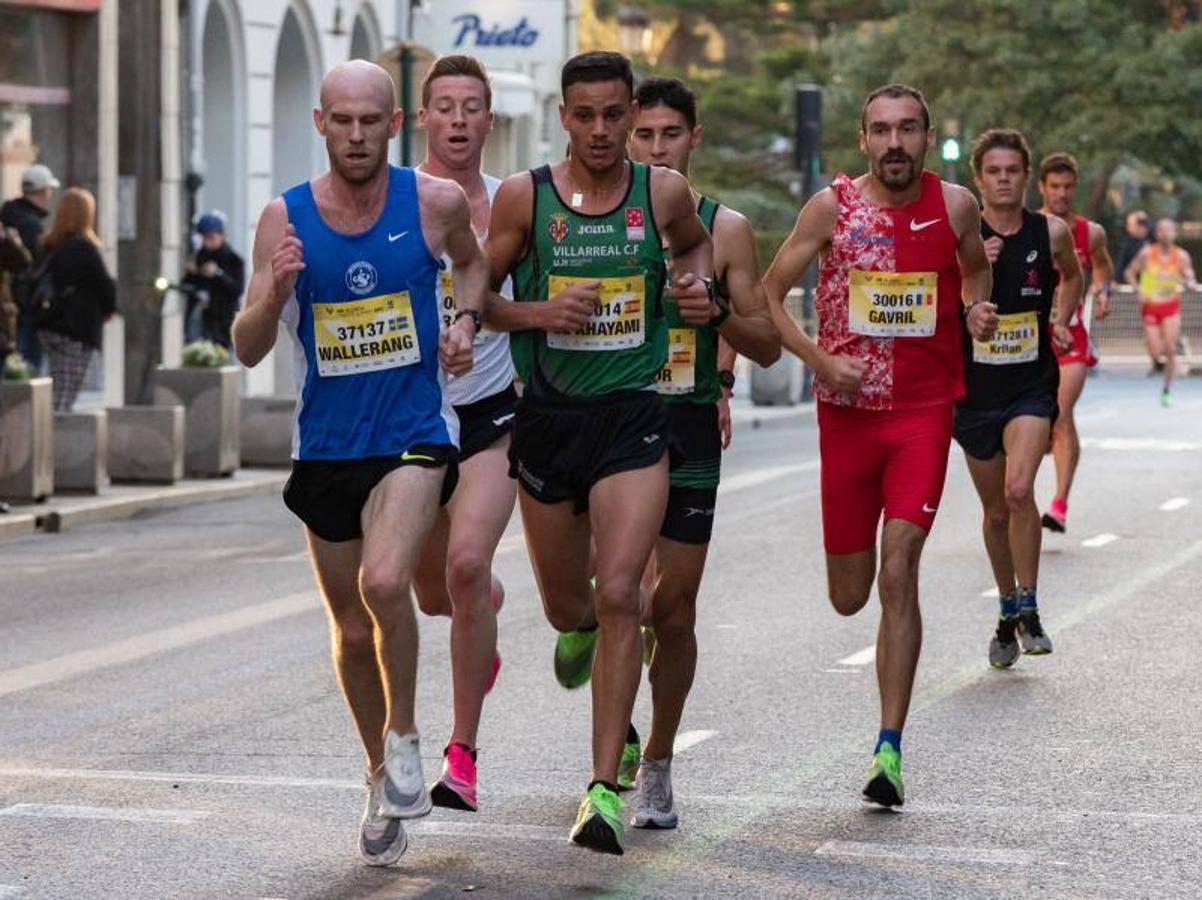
x=687 y=739
x=1175 y=504
x=9 y=890
x=998 y=856
x=270 y=781
x=511 y=543
x=1100 y=540
x=992 y=592
x=727 y=627
x=859 y=658
x=745 y=480
x=152 y=643
x=1141 y=444
x=104 y=813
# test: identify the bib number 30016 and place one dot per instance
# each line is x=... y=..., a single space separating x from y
x=365 y=335
x=892 y=304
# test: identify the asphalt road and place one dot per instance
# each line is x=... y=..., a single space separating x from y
x=170 y=725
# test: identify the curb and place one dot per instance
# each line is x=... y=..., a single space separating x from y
x=83 y=511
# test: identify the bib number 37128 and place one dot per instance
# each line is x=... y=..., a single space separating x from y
x=892 y=304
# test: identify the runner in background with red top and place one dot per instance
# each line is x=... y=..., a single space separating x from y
x=1058 y=175
x=902 y=268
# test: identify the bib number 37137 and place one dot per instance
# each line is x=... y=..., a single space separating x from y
x=365 y=335
x=892 y=304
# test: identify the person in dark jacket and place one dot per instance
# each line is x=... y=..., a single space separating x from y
x=1133 y=241
x=28 y=214
x=85 y=295
x=216 y=276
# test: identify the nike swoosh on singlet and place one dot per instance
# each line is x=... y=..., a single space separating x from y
x=397 y=237
x=919 y=226
x=927 y=509
x=414 y=457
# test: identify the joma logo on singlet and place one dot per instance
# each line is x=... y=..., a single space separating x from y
x=600 y=228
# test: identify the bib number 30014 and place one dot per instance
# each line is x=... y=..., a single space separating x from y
x=365 y=335
x=892 y=304
x=617 y=319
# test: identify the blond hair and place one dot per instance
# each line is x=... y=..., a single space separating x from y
x=74 y=216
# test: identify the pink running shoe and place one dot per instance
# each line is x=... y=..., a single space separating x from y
x=456 y=786
x=498 y=600
x=1055 y=519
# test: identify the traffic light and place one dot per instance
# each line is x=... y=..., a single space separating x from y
x=951 y=150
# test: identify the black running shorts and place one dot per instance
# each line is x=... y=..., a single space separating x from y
x=328 y=495
x=483 y=423
x=561 y=448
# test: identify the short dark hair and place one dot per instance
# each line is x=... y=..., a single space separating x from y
x=456 y=64
x=1000 y=139
x=673 y=93
x=895 y=92
x=1058 y=162
x=596 y=65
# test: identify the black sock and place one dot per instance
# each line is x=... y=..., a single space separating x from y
x=608 y=785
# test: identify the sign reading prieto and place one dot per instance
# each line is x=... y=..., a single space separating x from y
x=498 y=32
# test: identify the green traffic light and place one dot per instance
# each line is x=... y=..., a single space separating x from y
x=951 y=150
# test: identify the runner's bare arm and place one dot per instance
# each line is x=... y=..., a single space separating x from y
x=508 y=234
x=810 y=236
x=1187 y=270
x=1103 y=270
x=976 y=274
x=278 y=256
x=749 y=329
x=447 y=225
x=681 y=228
x=1072 y=280
x=727 y=357
x=1136 y=266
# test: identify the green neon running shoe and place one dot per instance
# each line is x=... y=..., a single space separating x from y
x=574 y=658
x=628 y=765
x=885 y=779
x=599 y=823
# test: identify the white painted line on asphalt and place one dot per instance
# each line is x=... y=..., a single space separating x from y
x=998 y=856
x=1141 y=444
x=153 y=643
x=181 y=778
x=687 y=739
x=511 y=543
x=756 y=477
x=844 y=671
x=104 y=813
x=1100 y=540
x=727 y=627
x=1175 y=504
x=992 y=592
x=859 y=658
x=9 y=890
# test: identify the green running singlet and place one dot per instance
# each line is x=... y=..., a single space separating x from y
x=625 y=343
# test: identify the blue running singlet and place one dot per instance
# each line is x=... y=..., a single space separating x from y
x=364 y=319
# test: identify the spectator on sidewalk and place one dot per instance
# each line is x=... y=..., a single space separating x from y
x=1133 y=240
x=28 y=214
x=216 y=276
x=14 y=258
x=84 y=295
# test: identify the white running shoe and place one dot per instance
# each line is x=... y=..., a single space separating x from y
x=654 y=805
x=382 y=840
x=403 y=793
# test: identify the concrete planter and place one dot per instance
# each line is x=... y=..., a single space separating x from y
x=146 y=443
x=27 y=440
x=267 y=431
x=211 y=415
x=81 y=446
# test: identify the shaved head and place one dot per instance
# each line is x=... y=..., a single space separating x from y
x=357 y=80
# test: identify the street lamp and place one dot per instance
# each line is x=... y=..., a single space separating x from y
x=634 y=30
x=950 y=148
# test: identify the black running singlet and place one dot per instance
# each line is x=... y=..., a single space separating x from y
x=1019 y=359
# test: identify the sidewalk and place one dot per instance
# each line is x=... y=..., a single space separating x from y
x=123 y=501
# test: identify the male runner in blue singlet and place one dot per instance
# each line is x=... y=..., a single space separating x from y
x=349 y=263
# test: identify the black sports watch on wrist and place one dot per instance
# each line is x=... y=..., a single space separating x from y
x=719 y=299
x=726 y=378
x=471 y=313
